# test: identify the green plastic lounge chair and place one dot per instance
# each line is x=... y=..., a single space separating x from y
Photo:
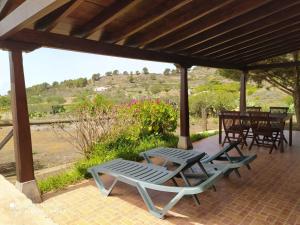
x=148 y=176
x=204 y=161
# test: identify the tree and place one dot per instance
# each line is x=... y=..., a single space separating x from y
x=109 y=73
x=115 y=72
x=55 y=84
x=145 y=71
x=125 y=73
x=137 y=72
x=96 y=77
x=285 y=79
x=167 y=72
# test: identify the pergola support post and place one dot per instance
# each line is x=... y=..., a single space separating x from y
x=243 y=83
x=184 y=138
x=26 y=182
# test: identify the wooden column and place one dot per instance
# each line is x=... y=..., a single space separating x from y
x=243 y=82
x=22 y=137
x=184 y=138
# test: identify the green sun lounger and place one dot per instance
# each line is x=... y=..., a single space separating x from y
x=205 y=162
x=148 y=176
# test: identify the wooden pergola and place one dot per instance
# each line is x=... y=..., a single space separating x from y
x=233 y=34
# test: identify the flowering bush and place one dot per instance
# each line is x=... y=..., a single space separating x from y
x=154 y=116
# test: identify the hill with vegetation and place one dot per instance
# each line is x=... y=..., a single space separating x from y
x=206 y=87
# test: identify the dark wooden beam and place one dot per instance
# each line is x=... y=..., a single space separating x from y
x=243 y=88
x=184 y=139
x=270 y=33
x=176 y=20
x=271 y=13
x=4 y=5
x=283 y=38
x=21 y=127
x=151 y=16
x=272 y=54
x=15 y=45
x=52 y=19
x=89 y=46
x=269 y=48
x=273 y=65
x=220 y=16
x=105 y=17
x=27 y=13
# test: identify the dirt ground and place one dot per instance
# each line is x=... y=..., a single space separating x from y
x=49 y=150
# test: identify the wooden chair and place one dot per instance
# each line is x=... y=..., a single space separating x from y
x=263 y=132
x=253 y=109
x=233 y=128
x=246 y=123
x=277 y=125
x=279 y=110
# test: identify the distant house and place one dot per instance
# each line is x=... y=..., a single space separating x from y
x=101 y=89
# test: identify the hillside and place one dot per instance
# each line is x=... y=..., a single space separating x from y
x=122 y=88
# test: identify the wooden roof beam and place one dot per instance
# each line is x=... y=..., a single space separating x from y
x=16 y=45
x=285 y=37
x=269 y=48
x=258 y=37
x=272 y=52
x=220 y=16
x=51 y=20
x=27 y=13
x=89 y=46
x=255 y=20
x=175 y=20
x=273 y=65
x=4 y=5
x=151 y=16
x=104 y=18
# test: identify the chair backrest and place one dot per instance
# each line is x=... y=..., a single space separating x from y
x=259 y=120
x=277 y=110
x=253 y=108
x=231 y=119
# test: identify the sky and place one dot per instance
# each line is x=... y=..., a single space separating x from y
x=48 y=65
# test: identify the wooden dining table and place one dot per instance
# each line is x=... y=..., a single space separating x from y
x=278 y=117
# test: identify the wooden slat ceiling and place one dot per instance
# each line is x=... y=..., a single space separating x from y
x=220 y=33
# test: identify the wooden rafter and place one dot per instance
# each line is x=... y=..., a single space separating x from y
x=269 y=48
x=104 y=18
x=273 y=65
x=273 y=54
x=257 y=37
x=284 y=37
x=259 y=18
x=196 y=10
x=83 y=45
x=27 y=13
x=277 y=51
x=220 y=16
x=151 y=16
x=4 y=5
x=52 y=19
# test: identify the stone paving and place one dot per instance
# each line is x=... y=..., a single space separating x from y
x=17 y=209
x=268 y=194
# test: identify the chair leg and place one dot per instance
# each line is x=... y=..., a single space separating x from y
x=252 y=142
x=205 y=172
x=151 y=207
x=189 y=185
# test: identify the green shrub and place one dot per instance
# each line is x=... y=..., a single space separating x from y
x=58 y=109
x=155 y=116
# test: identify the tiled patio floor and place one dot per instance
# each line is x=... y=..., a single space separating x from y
x=268 y=194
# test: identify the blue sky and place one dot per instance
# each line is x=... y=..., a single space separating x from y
x=48 y=65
